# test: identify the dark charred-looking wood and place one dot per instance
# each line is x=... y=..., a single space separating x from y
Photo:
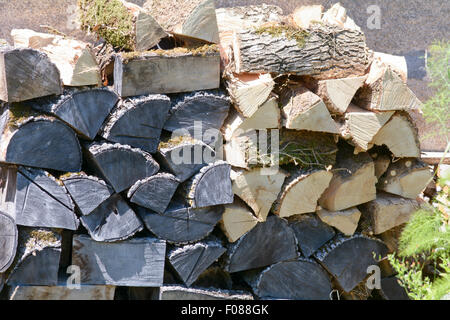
x=191 y=260
x=113 y=220
x=267 y=243
x=103 y=263
x=347 y=258
x=8 y=241
x=299 y=279
x=27 y=74
x=83 y=110
x=138 y=122
x=391 y=290
x=180 y=224
x=214 y=277
x=210 y=187
x=88 y=192
x=184 y=156
x=154 y=192
x=311 y=233
x=121 y=165
x=37 y=141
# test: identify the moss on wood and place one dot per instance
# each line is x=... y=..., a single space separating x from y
x=287 y=31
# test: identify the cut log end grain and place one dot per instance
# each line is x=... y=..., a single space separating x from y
x=20 y=68
x=237 y=220
x=138 y=122
x=301 y=192
x=8 y=241
x=339 y=258
x=346 y=221
x=183 y=293
x=304 y=16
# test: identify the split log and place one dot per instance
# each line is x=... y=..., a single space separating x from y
x=8 y=241
x=286 y=49
x=182 y=293
x=338 y=93
x=301 y=191
x=303 y=110
x=19 y=69
x=138 y=122
x=406 y=178
x=111 y=221
x=237 y=220
x=297 y=280
x=241 y=151
x=88 y=192
x=192 y=18
x=387 y=212
x=200 y=114
x=346 y=221
x=37 y=199
x=258 y=189
x=210 y=187
x=391 y=289
x=136 y=29
x=384 y=90
x=191 y=260
x=267 y=243
x=353 y=181
x=73 y=58
x=121 y=165
x=37 y=141
x=266 y=117
x=169 y=71
x=102 y=263
x=61 y=292
x=337 y=16
x=398 y=64
x=381 y=162
x=311 y=233
x=83 y=110
x=249 y=91
x=37 y=259
x=361 y=126
x=180 y=224
x=184 y=156
x=305 y=16
x=400 y=136
x=347 y=259
x=154 y=192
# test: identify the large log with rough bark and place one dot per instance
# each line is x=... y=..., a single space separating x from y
x=22 y=136
x=167 y=71
x=74 y=59
x=121 y=165
x=19 y=69
x=84 y=110
x=8 y=241
x=102 y=263
x=286 y=49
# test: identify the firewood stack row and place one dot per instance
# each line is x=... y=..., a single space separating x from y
x=211 y=153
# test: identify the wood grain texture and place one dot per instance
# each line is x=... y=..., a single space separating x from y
x=183 y=293
x=138 y=122
x=61 y=292
x=346 y=221
x=237 y=220
x=8 y=241
x=103 y=263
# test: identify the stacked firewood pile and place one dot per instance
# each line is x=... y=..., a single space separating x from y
x=207 y=154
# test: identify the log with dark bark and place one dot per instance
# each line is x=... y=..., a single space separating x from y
x=27 y=74
x=180 y=224
x=184 y=156
x=111 y=221
x=339 y=258
x=311 y=232
x=38 y=199
x=191 y=260
x=183 y=293
x=298 y=280
x=102 y=263
x=257 y=249
x=284 y=49
x=210 y=187
x=391 y=289
x=121 y=165
x=83 y=110
x=37 y=259
x=200 y=114
x=154 y=192
x=22 y=136
x=214 y=277
x=8 y=241
x=88 y=192
x=138 y=122
x=181 y=70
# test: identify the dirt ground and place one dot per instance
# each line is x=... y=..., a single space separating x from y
x=407 y=27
